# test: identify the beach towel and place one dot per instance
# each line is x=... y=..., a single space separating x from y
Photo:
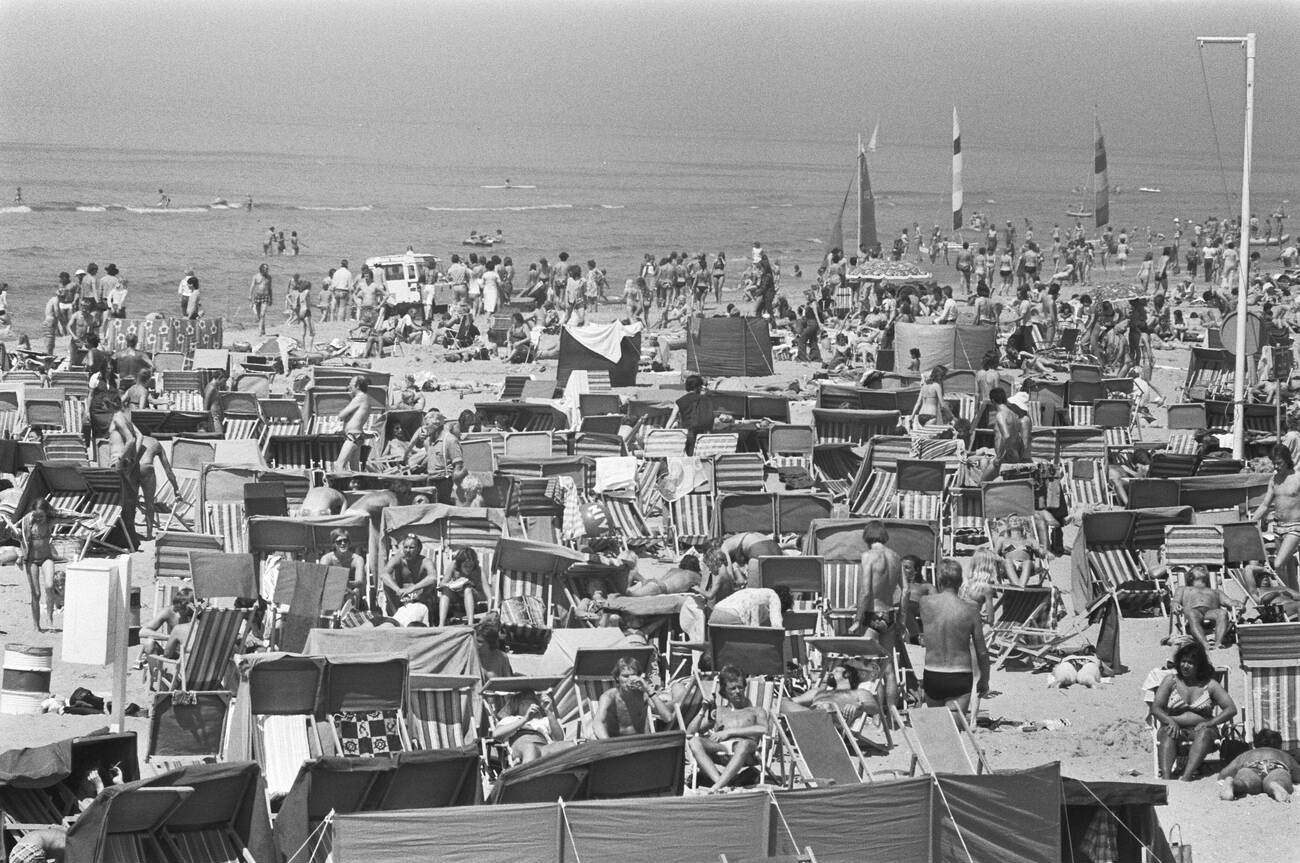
x=614 y=473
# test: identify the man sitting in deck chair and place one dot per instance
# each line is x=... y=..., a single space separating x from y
x=625 y=709
x=725 y=737
x=1202 y=606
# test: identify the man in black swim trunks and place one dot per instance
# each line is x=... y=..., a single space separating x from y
x=951 y=627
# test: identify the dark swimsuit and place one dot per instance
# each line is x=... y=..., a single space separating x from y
x=947 y=685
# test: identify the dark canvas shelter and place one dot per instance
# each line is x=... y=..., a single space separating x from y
x=957 y=346
x=729 y=347
x=643 y=765
x=599 y=348
x=1010 y=817
x=408 y=780
x=48 y=765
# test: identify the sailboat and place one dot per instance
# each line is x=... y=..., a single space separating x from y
x=867 y=239
x=1100 y=185
x=871 y=144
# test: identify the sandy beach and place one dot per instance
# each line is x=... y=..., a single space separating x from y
x=1104 y=736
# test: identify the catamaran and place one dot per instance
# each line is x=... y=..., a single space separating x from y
x=1100 y=185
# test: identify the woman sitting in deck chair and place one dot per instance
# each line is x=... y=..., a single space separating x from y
x=527 y=723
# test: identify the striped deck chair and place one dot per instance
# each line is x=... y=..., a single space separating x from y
x=1270 y=657
x=512 y=388
x=841 y=589
x=940 y=741
x=598 y=381
x=281 y=743
x=647 y=492
x=1168 y=465
x=965 y=521
x=791 y=445
x=219 y=844
x=441 y=714
x=280 y=427
x=665 y=443
x=74 y=415
x=1188 y=545
x=204 y=660
x=243 y=428
x=625 y=517
x=738 y=471
x=23 y=810
x=1080 y=415
x=514 y=584
x=62 y=446
x=1087 y=482
x=598 y=445
x=850 y=426
x=227 y=520
x=1112 y=566
x=317 y=425
x=185 y=400
x=709 y=445
x=920 y=505
x=878 y=498
x=690 y=518
x=178 y=504
x=22 y=376
x=105 y=510
x=1021 y=619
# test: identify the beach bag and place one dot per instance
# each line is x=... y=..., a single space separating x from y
x=1179 y=851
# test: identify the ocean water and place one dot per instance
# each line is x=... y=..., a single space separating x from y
x=612 y=199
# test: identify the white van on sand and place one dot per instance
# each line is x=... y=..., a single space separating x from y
x=404 y=276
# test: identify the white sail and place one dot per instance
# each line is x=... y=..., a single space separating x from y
x=871 y=145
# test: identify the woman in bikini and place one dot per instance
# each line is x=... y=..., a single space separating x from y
x=1265 y=769
x=1020 y=553
x=929 y=405
x=465 y=582
x=1190 y=706
x=36 y=529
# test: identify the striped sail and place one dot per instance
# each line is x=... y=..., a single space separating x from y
x=1100 y=185
x=956 y=172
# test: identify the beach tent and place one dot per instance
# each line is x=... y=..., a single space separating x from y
x=1200 y=492
x=612 y=348
x=448 y=650
x=957 y=346
x=729 y=347
x=1121 y=815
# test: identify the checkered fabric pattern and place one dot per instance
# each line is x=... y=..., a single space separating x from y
x=373 y=734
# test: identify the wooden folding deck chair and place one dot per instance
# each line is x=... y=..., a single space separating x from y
x=791 y=445
x=690 y=518
x=441 y=715
x=1021 y=621
x=738 y=471
x=134 y=819
x=664 y=443
x=204 y=660
x=710 y=445
x=1087 y=482
x=941 y=741
x=593 y=676
x=822 y=749
x=1270 y=658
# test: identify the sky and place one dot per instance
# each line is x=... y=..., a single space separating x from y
x=285 y=75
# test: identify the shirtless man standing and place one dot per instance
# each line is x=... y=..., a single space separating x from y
x=124 y=454
x=952 y=627
x=212 y=400
x=409 y=576
x=883 y=604
x=1008 y=441
x=151 y=450
x=356 y=419
x=985 y=380
x=1284 y=496
x=737 y=728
